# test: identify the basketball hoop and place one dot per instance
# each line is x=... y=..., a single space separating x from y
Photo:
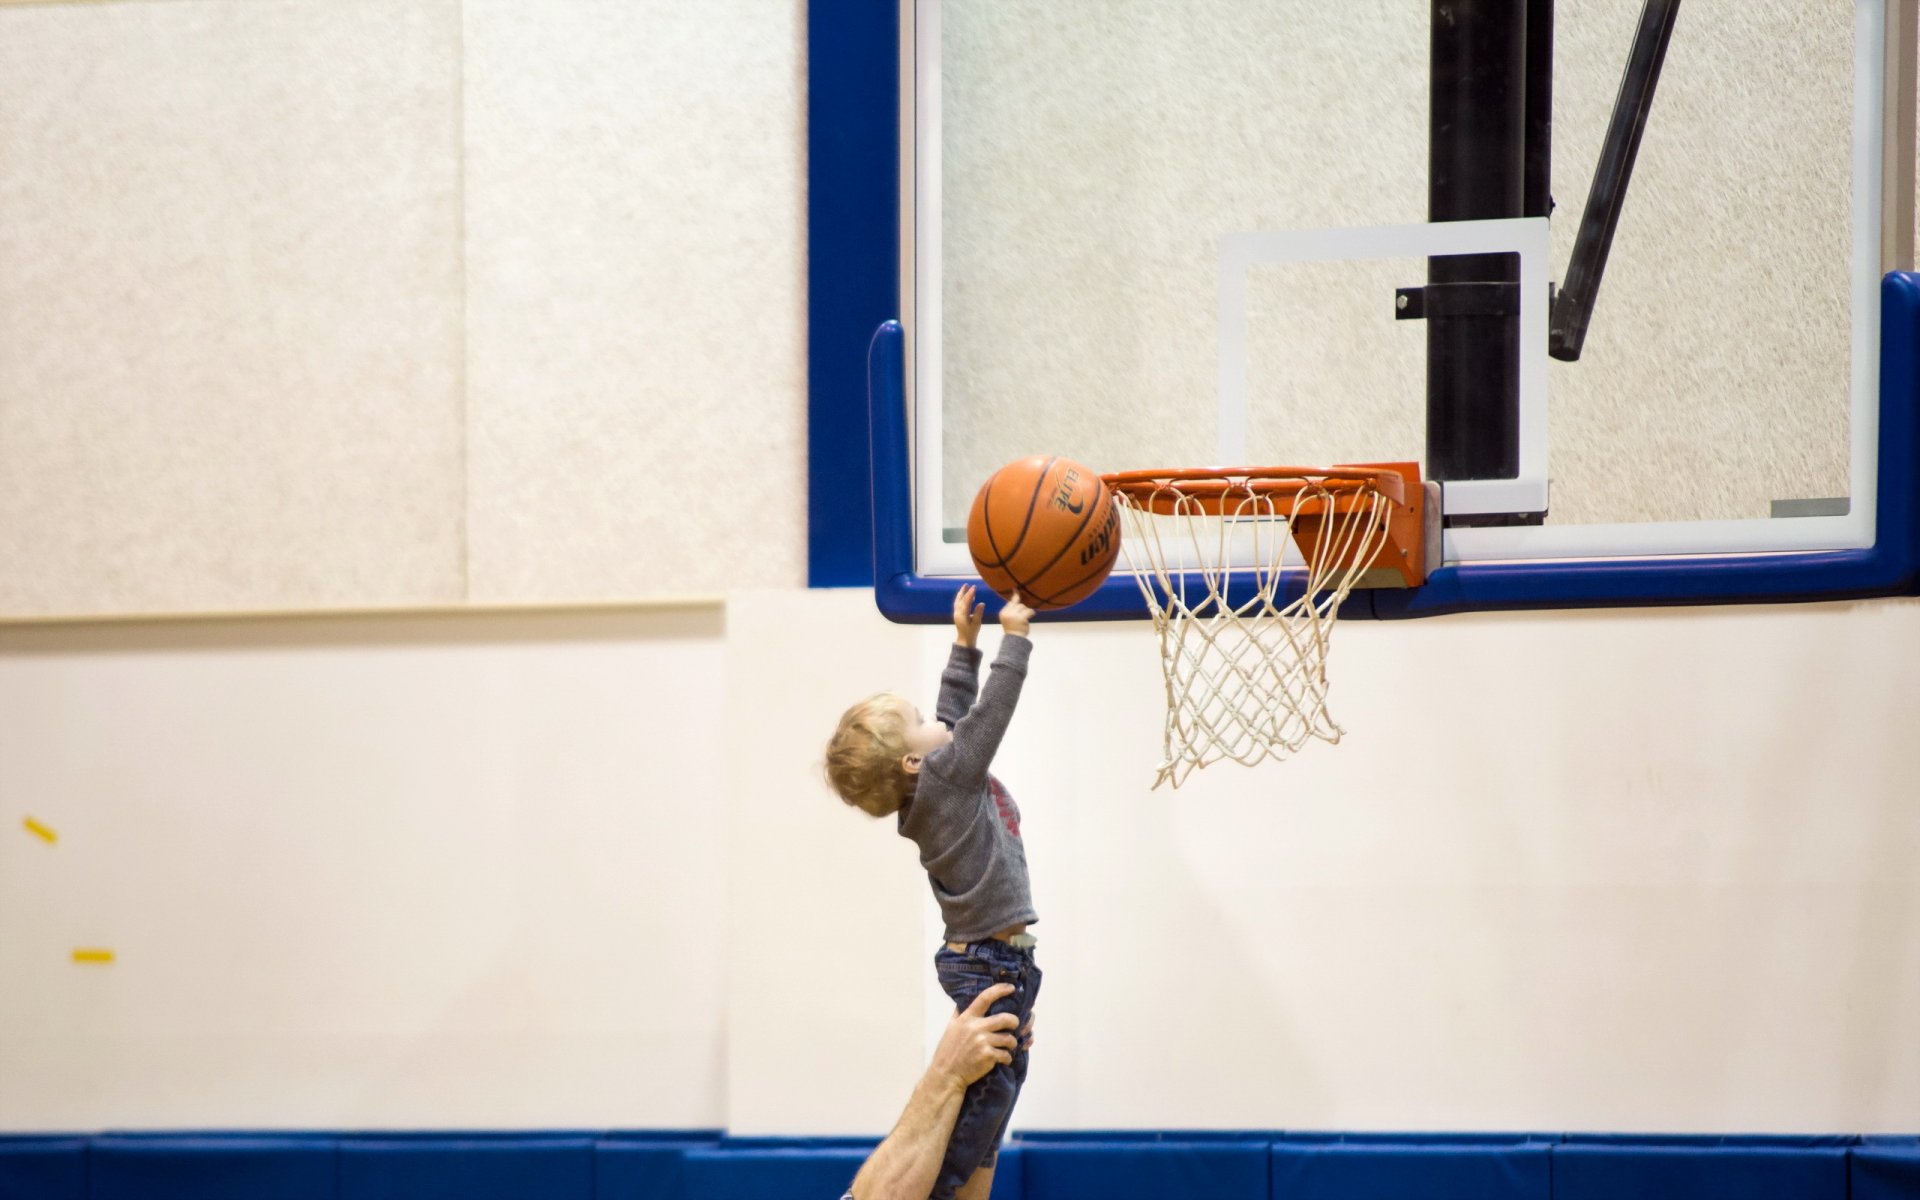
x=1243 y=628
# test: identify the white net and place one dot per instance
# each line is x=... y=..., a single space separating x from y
x=1243 y=624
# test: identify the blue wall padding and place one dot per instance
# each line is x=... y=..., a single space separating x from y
x=633 y=1167
x=1696 y=1141
x=1040 y=1137
x=1370 y=1138
x=1010 y=1175
x=211 y=1168
x=1348 y=1171
x=1886 y=1169
x=475 y=1169
x=43 y=1168
x=1145 y=1170
x=704 y=1165
x=718 y=1173
x=1667 y=1172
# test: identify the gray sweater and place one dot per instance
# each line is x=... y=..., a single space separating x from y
x=963 y=820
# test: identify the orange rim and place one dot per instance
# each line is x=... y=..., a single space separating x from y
x=1215 y=489
x=1334 y=494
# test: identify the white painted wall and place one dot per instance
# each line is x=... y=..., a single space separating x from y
x=1646 y=870
x=439 y=871
x=1652 y=870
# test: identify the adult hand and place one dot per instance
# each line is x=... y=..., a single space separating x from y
x=974 y=1042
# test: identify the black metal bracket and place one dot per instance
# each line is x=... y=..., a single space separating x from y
x=1456 y=300
x=1573 y=309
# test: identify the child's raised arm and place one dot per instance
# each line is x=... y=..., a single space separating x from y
x=960 y=682
x=976 y=736
x=966 y=617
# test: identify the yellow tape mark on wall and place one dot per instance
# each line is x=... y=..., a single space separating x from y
x=40 y=831
x=93 y=956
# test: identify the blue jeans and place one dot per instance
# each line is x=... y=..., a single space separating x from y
x=988 y=1104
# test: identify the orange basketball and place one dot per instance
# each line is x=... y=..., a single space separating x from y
x=1045 y=527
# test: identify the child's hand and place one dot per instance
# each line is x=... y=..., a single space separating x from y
x=1015 y=616
x=966 y=617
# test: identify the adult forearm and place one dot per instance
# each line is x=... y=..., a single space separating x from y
x=905 y=1165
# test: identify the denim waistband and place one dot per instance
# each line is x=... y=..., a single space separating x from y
x=1019 y=943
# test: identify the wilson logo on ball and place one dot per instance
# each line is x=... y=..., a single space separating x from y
x=1098 y=546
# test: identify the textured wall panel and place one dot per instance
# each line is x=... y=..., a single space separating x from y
x=635 y=234
x=229 y=306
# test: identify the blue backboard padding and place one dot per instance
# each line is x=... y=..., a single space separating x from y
x=1891 y=566
x=852 y=240
x=477 y=1168
x=43 y=1168
x=719 y=1174
x=1885 y=1170
x=1346 y=1170
x=1593 y=1171
x=1143 y=1170
x=181 y=1167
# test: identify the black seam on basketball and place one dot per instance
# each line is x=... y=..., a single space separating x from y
x=1033 y=498
x=1112 y=558
x=986 y=519
x=1067 y=542
x=1054 y=599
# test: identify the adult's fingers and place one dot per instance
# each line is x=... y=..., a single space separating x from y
x=985 y=999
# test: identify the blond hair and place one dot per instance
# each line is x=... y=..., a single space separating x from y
x=863 y=756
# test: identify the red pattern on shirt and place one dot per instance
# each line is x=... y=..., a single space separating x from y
x=1009 y=812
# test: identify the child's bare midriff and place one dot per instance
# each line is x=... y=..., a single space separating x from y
x=1000 y=936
